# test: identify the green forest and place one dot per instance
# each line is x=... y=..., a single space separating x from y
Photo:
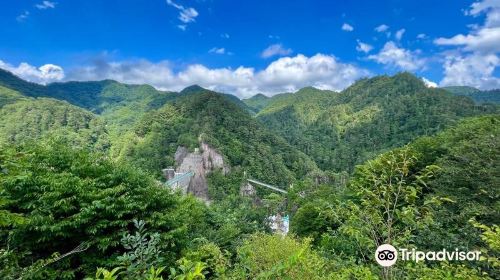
x=387 y=160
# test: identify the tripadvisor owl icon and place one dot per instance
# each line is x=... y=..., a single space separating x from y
x=386 y=255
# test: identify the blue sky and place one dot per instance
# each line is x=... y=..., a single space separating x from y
x=245 y=47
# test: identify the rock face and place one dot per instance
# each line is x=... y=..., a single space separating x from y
x=200 y=163
x=212 y=159
x=247 y=190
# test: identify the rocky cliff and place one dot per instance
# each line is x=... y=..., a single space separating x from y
x=201 y=162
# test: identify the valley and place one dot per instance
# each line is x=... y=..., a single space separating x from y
x=204 y=171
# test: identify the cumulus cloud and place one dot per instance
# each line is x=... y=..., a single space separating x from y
x=429 y=83
x=480 y=38
x=399 y=34
x=398 y=57
x=382 y=28
x=186 y=14
x=483 y=40
x=347 y=27
x=490 y=7
x=363 y=47
x=44 y=74
x=475 y=57
x=46 y=5
x=275 y=49
x=476 y=70
x=282 y=75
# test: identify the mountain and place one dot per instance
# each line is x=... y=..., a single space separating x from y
x=257 y=102
x=121 y=105
x=336 y=129
x=196 y=89
x=8 y=96
x=461 y=90
x=209 y=117
x=340 y=130
x=487 y=96
x=56 y=197
x=30 y=119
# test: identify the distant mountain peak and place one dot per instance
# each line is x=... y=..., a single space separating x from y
x=193 y=88
x=308 y=88
x=259 y=96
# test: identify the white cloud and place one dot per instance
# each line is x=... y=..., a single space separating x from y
x=46 y=5
x=394 y=56
x=475 y=58
x=363 y=47
x=23 y=16
x=275 y=49
x=44 y=74
x=429 y=83
x=422 y=36
x=490 y=7
x=217 y=50
x=399 y=34
x=186 y=14
x=482 y=40
x=321 y=71
x=282 y=75
x=182 y=27
x=476 y=70
x=347 y=27
x=225 y=36
x=382 y=28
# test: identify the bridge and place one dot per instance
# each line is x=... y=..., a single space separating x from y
x=180 y=180
x=267 y=186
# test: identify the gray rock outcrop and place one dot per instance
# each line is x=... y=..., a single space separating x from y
x=200 y=163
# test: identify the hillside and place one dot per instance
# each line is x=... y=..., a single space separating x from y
x=146 y=126
x=257 y=102
x=72 y=197
x=485 y=96
x=120 y=104
x=461 y=90
x=209 y=117
x=340 y=130
x=8 y=96
x=439 y=188
x=29 y=119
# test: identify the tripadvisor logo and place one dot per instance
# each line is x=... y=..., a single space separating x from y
x=386 y=255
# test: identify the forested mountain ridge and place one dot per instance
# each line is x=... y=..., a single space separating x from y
x=83 y=184
x=308 y=101
x=212 y=118
x=29 y=119
x=8 y=96
x=441 y=187
x=340 y=130
x=257 y=102
x=336 y=129
x=140 y=125
x=480 y=96
x=100 y=96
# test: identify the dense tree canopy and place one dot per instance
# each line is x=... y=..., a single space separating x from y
x=387 y=160
x=340 y=130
